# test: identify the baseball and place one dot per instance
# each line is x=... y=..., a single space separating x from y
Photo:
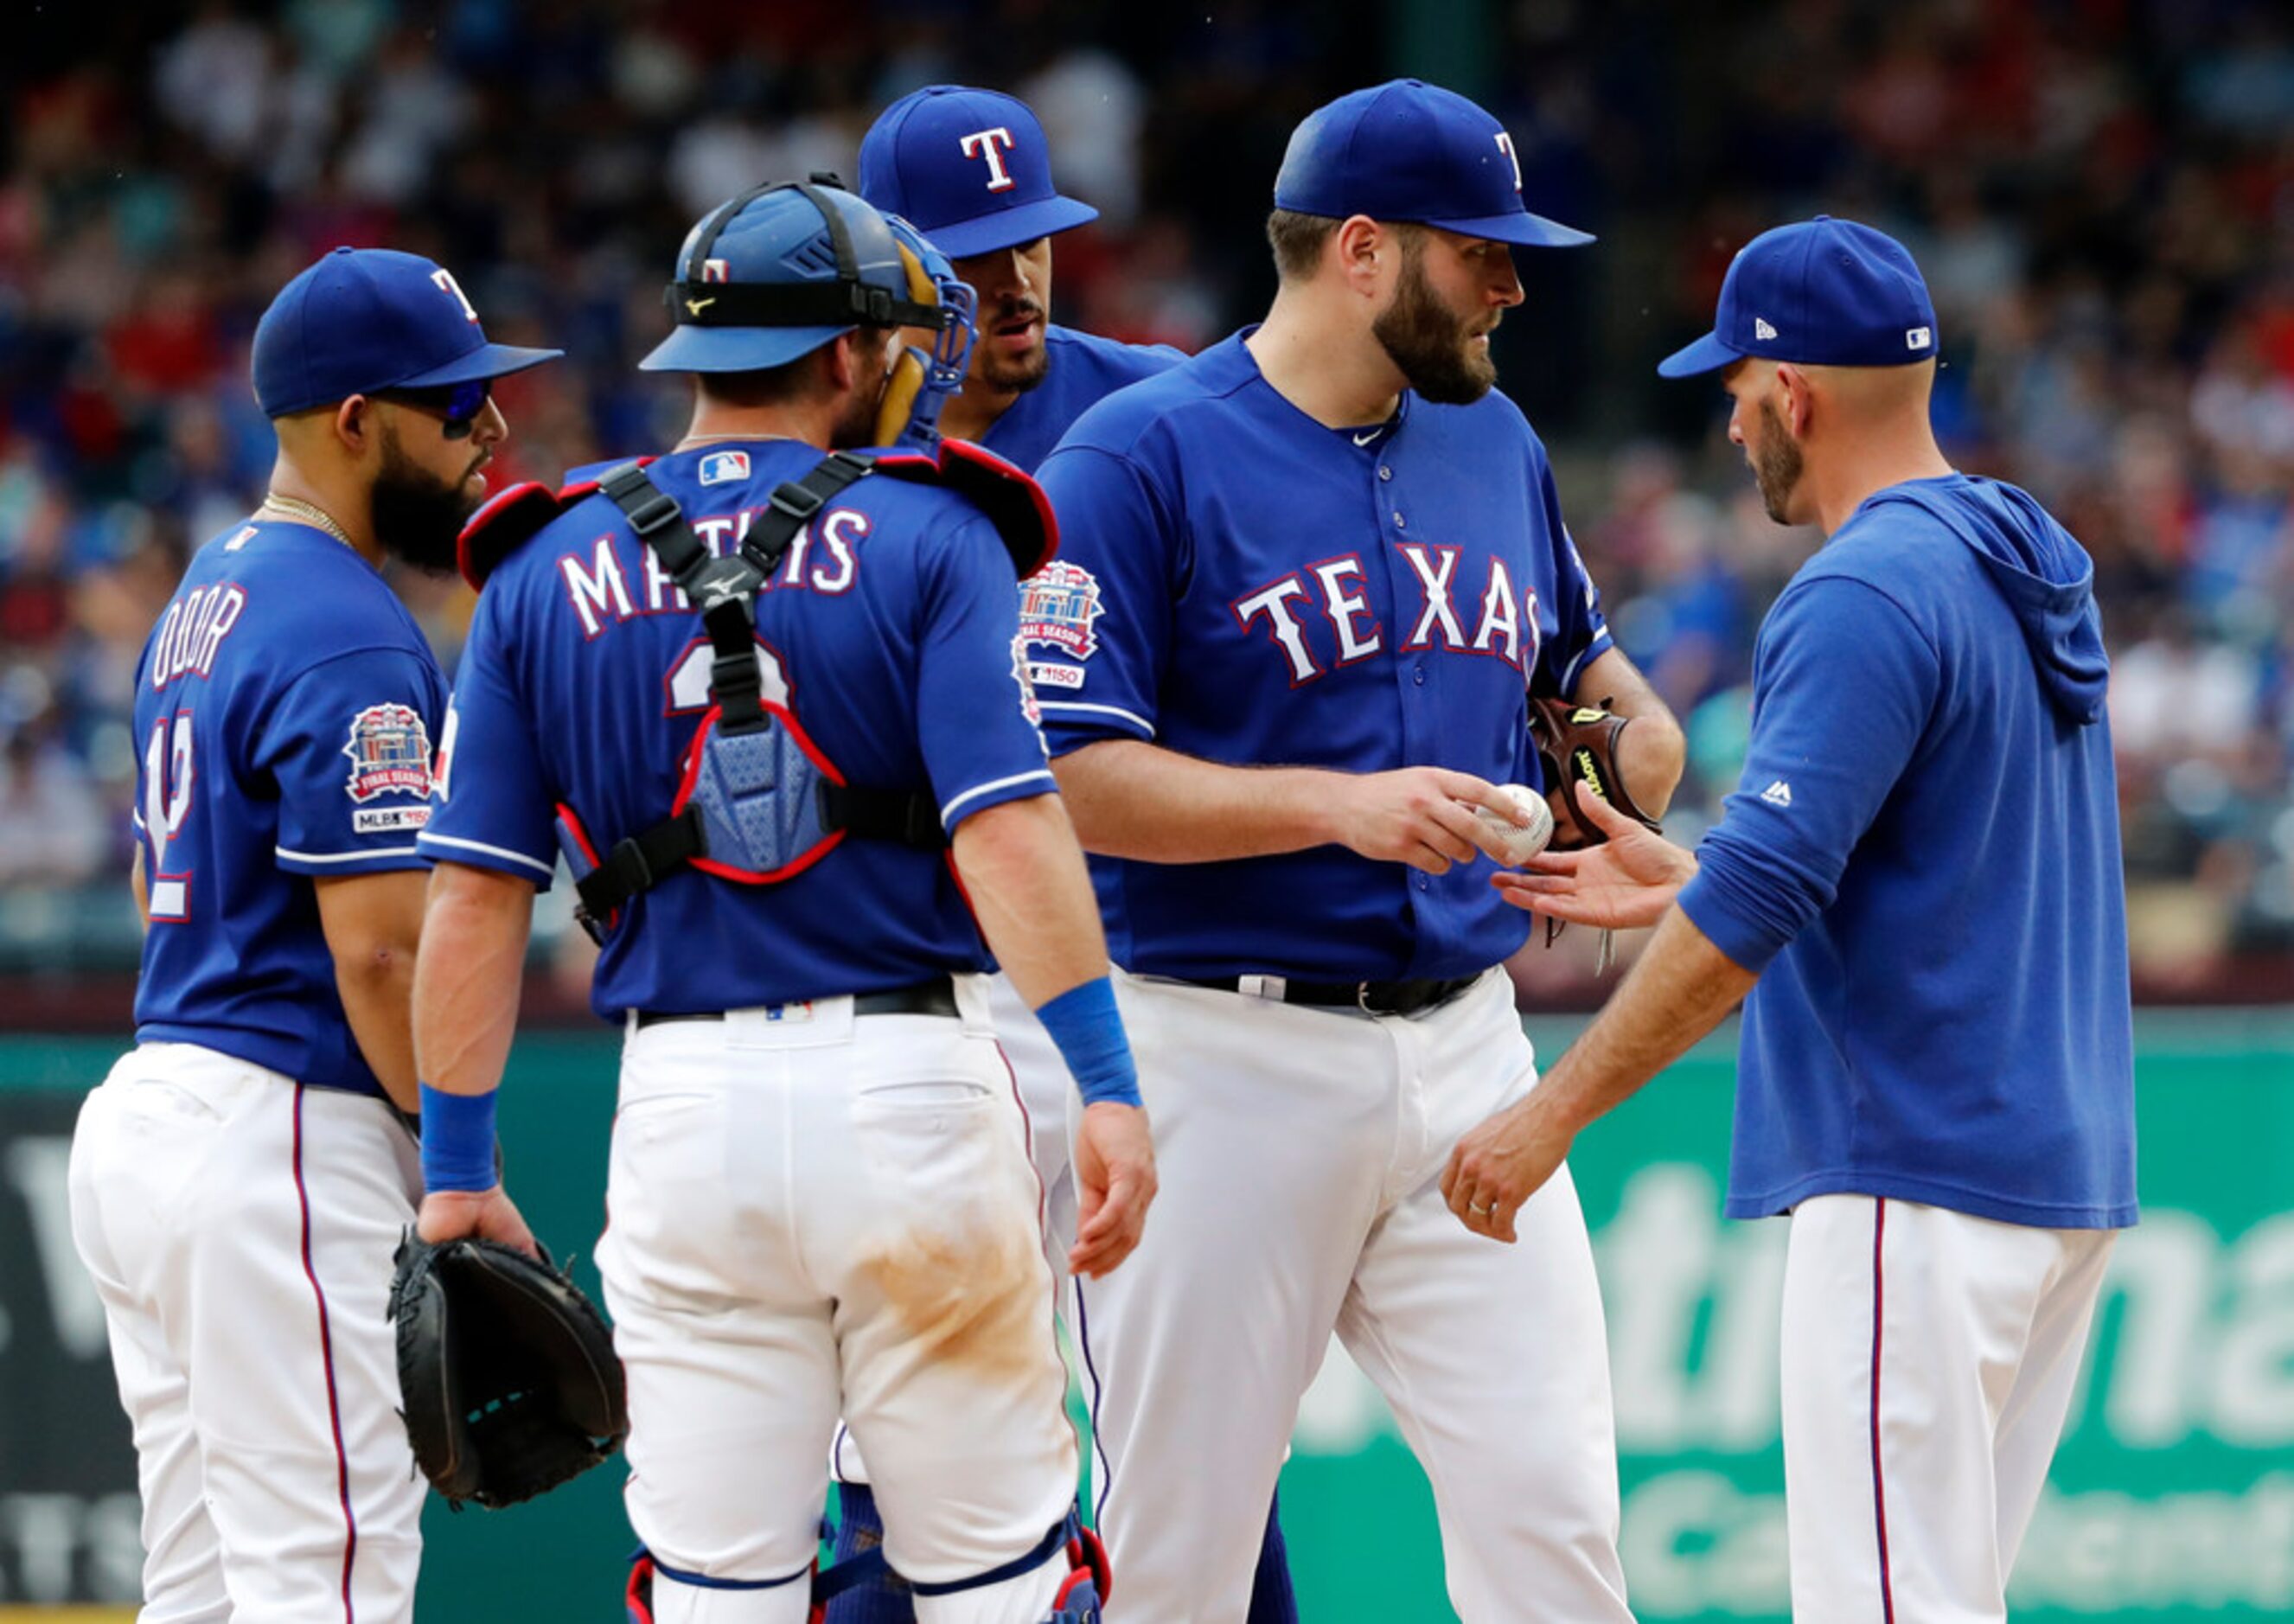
x=1521 y=844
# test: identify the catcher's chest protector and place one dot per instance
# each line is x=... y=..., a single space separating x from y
x=758 y=801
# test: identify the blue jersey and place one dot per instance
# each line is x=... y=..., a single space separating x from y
x=1083 y=369
x=1923 y=860
x=285 y=708
x=1241 y=585
x=888 y=631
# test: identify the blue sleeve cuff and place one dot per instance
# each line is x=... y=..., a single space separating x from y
x=1087 y=1030
x=458 y=1141
x=1749 y=902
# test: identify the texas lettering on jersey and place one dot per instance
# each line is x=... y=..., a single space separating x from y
x=1503 y=617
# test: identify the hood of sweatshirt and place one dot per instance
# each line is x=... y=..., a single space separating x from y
x=2043 y=573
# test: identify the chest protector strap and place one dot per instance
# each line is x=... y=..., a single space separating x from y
x=759 y=800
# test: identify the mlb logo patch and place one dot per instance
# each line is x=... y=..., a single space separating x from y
x=390 y=753
x=1058 y=605
x=715 y=270
x=723 y=467
x=1919 y=337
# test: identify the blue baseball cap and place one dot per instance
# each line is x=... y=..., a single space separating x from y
x=969 y=168
x=365 y=320
x=1823 y=292
x=1409 y=151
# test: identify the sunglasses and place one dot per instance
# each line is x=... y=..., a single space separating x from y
x=458 y=403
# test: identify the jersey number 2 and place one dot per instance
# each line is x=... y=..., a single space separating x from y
x=167 y=777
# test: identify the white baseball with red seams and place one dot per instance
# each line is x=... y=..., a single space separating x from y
x=1522 y=842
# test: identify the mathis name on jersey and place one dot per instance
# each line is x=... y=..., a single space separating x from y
x=823 y=557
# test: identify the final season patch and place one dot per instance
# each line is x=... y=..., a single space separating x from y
x=390 y=753
x=723 y=467
x=1058 y=605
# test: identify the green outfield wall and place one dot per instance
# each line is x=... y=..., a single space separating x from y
x=2173 y=1496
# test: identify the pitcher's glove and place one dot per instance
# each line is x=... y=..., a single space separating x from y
x=1578 y=744
x=507 y=1371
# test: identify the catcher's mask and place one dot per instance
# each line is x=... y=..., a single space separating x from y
x=768 y=277
x=929 y=371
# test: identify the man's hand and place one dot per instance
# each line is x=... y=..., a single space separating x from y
x=1422 y=816
x=488 y=1214
x=1115 y=1183
x=1626 y=882
x=1502 y=1163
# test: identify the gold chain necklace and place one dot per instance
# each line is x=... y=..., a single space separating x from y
x=308 y=513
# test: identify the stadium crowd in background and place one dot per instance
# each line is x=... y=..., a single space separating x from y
x=2101 y=191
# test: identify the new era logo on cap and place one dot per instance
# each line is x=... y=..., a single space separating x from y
x=1761 y=329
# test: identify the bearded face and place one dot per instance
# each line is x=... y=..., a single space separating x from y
x=418 y=516
x=1776 y=459
x=1433 y=345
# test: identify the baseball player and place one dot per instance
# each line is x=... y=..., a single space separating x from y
x=771 y=702
x=1320 y=567
x=970 y=169
x=1916 y=889
x=239 y=1180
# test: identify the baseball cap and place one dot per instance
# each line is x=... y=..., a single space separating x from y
x=365 y=320
x=969 y=168
x=1823 y=292
x=1409 y=151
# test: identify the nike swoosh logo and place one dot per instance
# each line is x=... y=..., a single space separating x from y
x=696 y=306
x=1364 y=439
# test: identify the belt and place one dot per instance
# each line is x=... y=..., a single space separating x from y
x=925 y=998
x=1368 y=996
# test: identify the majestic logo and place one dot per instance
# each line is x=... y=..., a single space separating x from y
x=1057 y=606
x=1778 y=794
x=1761 y=329
x=983 y=143
x=721 y=467
x=390 y=753
x=1505 y=145
x=1919 y=337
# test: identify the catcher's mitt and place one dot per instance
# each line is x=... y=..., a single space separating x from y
x=507 y=1371
x=1578 y=744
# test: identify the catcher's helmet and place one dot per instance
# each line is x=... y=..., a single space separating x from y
x=773 y=274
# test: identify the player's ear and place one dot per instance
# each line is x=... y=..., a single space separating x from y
x=354 y=424
x=1362 y=246
x=1799 y=403
x=838 y=359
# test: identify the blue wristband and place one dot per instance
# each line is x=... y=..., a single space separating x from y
x=1089 y=1033
x=457 y=1140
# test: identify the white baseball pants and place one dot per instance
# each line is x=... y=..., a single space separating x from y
x=1043 y=1083
x=240 y=1227
x=1929 y=1361
x=1300 y=1153
x=809 y=1209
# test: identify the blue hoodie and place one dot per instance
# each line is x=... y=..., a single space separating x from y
x=1921 y=861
